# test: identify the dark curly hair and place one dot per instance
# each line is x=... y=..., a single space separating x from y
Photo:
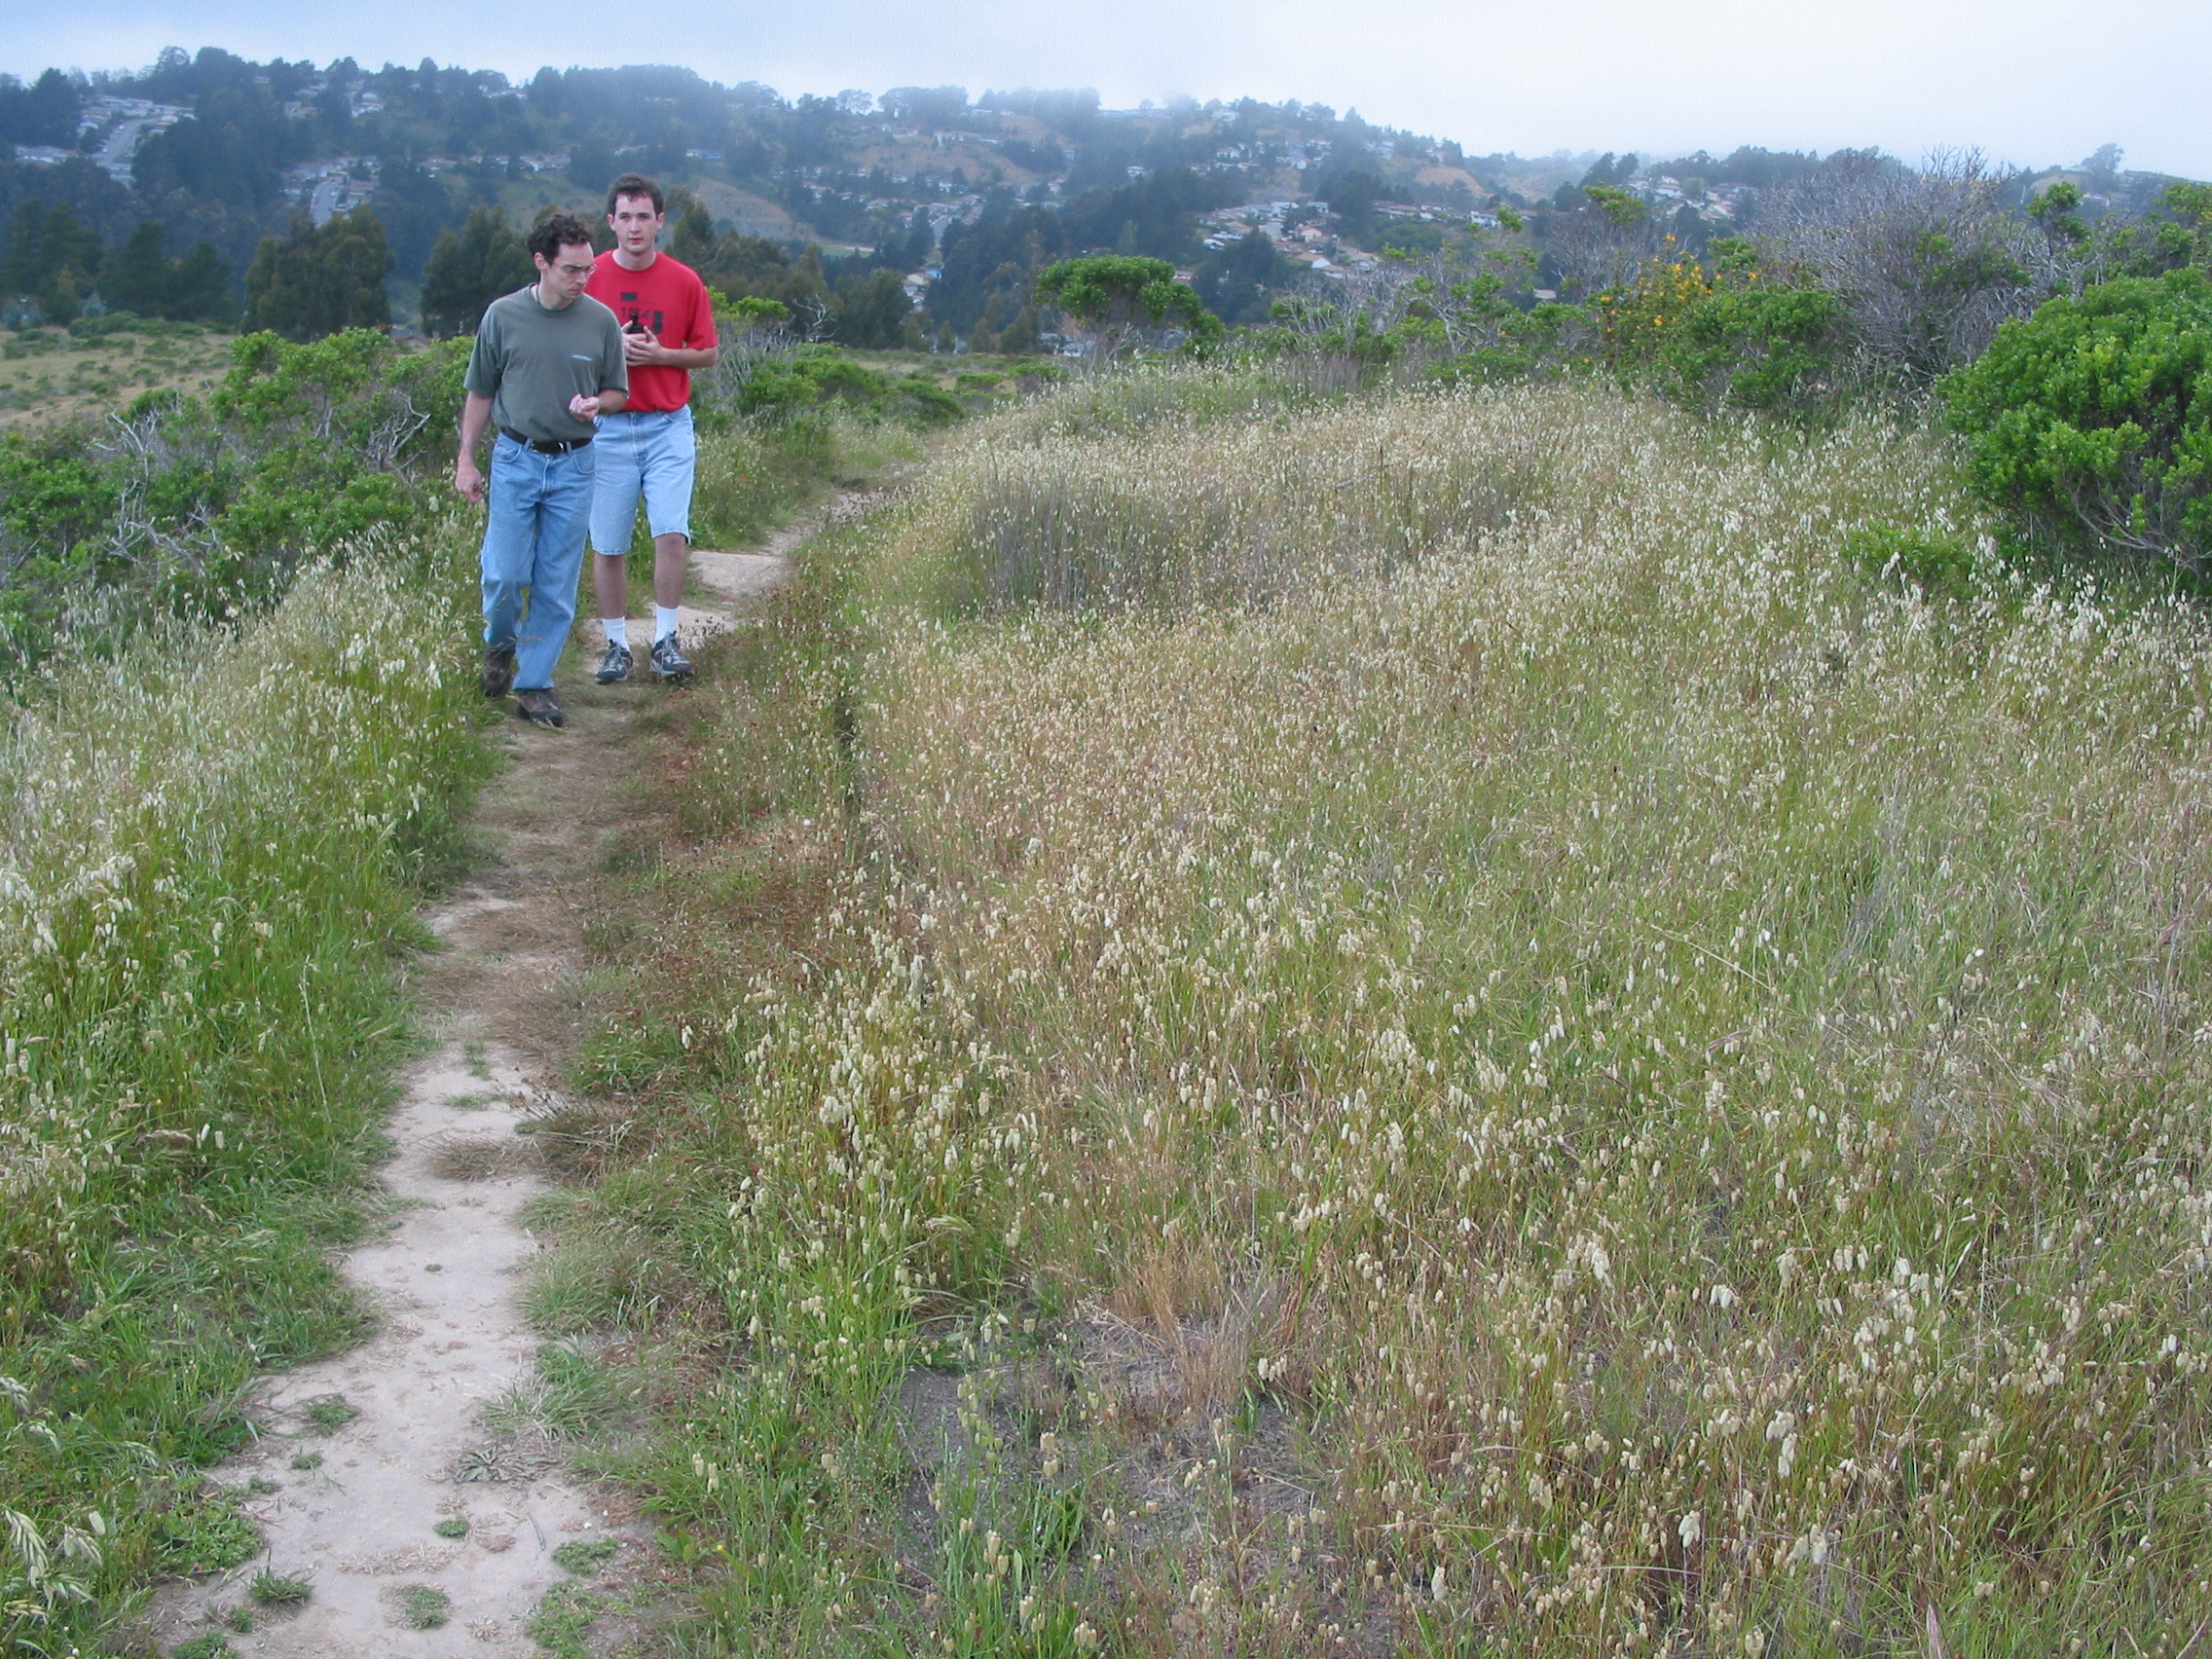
x=556 y=230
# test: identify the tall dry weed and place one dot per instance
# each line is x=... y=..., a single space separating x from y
x=1716 y=1041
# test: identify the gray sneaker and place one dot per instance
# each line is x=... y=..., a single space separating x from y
x=669 y=662
x=499 y=669
x=615 y=664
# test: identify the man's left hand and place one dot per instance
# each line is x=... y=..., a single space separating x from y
x=645 y=348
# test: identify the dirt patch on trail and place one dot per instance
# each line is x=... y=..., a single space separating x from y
x=370 y=1462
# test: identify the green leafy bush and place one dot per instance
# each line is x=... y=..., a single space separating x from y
x=1121 y=301
x=206 y=509
x=50 y=496
x=1738 y=338
x=1776 y=349
x=787 y=389
x=339 y=425
x=2092 y=419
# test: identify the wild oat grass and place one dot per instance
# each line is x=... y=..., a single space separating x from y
x=1559 y=1070
x=208 y=853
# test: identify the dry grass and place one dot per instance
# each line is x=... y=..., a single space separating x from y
x=1676 y=1065
x=482 y=1160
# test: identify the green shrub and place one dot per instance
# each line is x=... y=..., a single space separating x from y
x=783 y=389
x=341 y=426
x=206 y=509
x=49 y=495
x=1939 y=567
x=2091 y=419
x=1735 y=338
x=1774 y=349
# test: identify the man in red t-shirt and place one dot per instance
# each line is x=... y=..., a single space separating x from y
x=668 y=330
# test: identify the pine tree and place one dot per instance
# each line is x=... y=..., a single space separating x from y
x=53 y=258
x=21 y=272
x=470 y=268
x=312 y=282
x=200 y=291
x=355 y=260
x=694 y=239
x=138 y=274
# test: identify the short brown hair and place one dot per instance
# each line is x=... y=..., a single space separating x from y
x=635 y=185
x=555 y=232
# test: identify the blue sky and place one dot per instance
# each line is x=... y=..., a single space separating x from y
x=2027 y=80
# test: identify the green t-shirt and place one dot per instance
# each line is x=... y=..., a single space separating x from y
x=529 y=361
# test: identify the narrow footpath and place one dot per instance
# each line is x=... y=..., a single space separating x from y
x=420 y=1522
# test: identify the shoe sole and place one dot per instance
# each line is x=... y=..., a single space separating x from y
x=612 y=678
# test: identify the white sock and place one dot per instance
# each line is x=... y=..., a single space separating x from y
x=664 y=621
x=618 y=630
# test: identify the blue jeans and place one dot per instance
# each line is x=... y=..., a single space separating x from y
x=654 y=455
x=534 y=546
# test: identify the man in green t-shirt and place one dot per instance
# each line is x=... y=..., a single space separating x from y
x=548 y=362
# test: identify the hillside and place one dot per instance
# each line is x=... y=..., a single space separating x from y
x=58 y=379
x=217 y=149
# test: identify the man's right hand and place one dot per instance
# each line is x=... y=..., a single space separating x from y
x=469 y=479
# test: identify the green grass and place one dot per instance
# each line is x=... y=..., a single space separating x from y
x=213 y=849
x=452 y=1526
x=204 y=1532
x=1509 y=1024
x=275 y=1590
x=583 y=1556
x=562 y=1622
x=327 y=1413
x=568 y=1394
x=423 y=1607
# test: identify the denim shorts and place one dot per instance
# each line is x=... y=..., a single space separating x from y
x=654 y=455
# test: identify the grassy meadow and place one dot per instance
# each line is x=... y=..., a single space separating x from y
x=213 y=849
x=48 y=376
x=1438 y=1022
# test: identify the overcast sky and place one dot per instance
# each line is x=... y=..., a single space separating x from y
x=2033 y=82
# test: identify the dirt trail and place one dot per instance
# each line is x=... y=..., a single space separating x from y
x=352 y=1503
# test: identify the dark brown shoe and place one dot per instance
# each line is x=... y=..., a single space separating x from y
x=538 y=708
x=499 y=669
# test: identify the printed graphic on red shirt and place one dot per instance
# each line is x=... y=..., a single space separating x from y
x=668 y=299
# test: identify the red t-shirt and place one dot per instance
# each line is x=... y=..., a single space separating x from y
x=668 y=298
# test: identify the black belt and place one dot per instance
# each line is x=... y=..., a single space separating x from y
x=546 y=446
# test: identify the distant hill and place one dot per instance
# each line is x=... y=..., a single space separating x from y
x=218 y=148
